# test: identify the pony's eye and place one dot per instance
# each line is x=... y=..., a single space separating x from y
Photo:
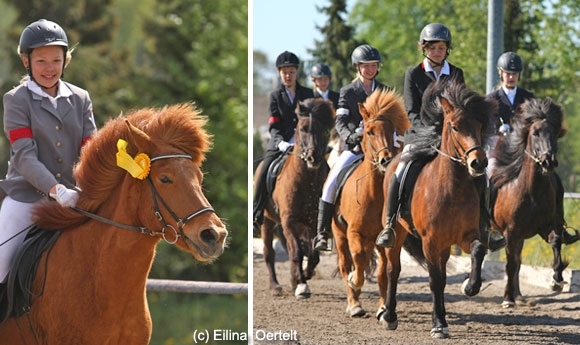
x=165 y=179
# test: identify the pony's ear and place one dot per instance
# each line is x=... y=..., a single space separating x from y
x=139 y=138
x=447 y=107
x=363 y=111
x=301 y=108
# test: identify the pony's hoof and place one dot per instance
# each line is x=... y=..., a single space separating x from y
x=508 y=304
x=355 y=311
x=468 y=292
x=351 y=284
x=557 y=286
x=302 y=291
x=276 y=291
x=389 y=325
x=440 y=332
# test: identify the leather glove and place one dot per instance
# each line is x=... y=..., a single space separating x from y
x=284 y=145
x=64 y=196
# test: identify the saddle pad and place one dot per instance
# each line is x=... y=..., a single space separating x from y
x=15 y=294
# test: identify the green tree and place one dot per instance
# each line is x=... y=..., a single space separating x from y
x=190 y=60
x=544 y=33
x=338 y=44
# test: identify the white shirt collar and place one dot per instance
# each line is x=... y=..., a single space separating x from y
x=510 y=93
x=63 y=91
x=324 y=94
x=445 y=70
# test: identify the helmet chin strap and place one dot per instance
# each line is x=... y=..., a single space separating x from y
x=435 y=63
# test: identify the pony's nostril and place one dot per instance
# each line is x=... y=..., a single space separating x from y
x=208 y=236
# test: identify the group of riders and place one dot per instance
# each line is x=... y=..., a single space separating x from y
x=435 y=44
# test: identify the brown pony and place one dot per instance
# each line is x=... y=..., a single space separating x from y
x=293 y=203
x=526 y=194
x=90 y=287
x=357 y=221
x=444 y=207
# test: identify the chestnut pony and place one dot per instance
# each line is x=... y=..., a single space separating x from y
x=293 y=204
x=90 y=287
x=526 y=196
x=444 y=206
x=357 y=220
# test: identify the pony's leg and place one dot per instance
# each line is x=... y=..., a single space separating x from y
x=267 y=233
x=472 y=285
x=301 y=290
x=513 y=252
x=558 y=265
x=345 y=263
x=436 y=265
x=295 y=256
x=388 y=277
x=313 y=261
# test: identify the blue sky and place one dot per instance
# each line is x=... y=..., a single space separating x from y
x=280 y=25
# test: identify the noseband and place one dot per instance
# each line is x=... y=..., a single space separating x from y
x=180 y=222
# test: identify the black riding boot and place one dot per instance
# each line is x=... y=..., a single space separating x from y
x=493 y=239
x=323 y=230
x=260 y=191
x=386 y=237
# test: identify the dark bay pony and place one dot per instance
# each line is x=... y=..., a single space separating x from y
x=90 y=286
x=357 y=220
x=526 y=194
x=293 y=203
x=444 y=206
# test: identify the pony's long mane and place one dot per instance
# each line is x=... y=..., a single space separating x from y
x=509 y=150
x=387 y=103
x=97 y=174
x=322 y=111
x=467 y=101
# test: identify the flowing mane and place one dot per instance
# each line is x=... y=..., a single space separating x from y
x=469 y=102
x=509 y=151
x=388 y=104
x=172 y=129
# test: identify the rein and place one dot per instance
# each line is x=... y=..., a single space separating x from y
x=180 y=222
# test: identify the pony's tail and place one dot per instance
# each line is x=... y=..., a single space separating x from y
x=414 y=246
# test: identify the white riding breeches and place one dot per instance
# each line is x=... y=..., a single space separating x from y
x=15 y=217
x=329 y=188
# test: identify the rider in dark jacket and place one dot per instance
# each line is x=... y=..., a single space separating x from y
x=282 y=122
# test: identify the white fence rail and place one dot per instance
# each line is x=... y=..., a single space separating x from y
x=188 y=286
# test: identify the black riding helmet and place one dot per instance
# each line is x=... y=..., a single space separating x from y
x=435 y=32
x=42 y=33
x=365 y=53
x=510 y=62
x=321 y=70
x=39 y=34
x=287 y=59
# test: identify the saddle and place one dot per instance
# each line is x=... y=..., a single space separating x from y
x=407 y=185
x=16 y=293
x=343 y=175
x=274 y=170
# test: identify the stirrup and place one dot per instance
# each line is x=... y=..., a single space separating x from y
x=496 y=242
x=386 y=237
x=321 y=243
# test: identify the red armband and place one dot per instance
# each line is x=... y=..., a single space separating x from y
x=19 y=133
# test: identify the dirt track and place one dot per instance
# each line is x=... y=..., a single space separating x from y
x=548 y=319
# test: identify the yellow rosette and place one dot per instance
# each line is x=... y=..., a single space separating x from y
x=138 y=167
